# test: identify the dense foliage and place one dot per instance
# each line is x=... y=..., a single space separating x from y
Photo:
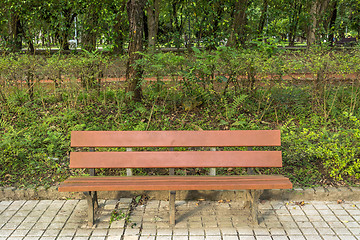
x=88 y=24
x=312 y=96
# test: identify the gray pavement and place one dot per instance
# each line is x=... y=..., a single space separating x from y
x=66 y=219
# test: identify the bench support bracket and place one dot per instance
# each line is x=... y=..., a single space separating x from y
x=172 y=197
x=93 y=204
x=252 y=198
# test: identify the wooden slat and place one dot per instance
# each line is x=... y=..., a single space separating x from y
x=176 y=159
x=177 y=183
x=175 y=138
x=174 y=178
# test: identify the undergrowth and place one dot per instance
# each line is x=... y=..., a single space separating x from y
x=318 y=119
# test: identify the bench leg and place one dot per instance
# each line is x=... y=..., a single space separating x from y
x=252 y=197
x=93 y=204
x=172 y=197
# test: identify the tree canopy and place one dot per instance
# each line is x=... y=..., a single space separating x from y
x=89 y=24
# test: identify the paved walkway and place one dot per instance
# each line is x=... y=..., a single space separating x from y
x=66 y=219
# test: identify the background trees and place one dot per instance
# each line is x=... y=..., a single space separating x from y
x=138 y=25
x=33 y=24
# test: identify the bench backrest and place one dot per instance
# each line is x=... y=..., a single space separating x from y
x=175 y=159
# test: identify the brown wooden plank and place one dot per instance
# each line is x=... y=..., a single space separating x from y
x=200 y=183
x=176 y=159
x=175 y=138
x=219 y=178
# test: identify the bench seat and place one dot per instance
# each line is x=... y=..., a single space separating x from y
x=133 y=183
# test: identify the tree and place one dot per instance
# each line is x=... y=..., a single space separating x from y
x=317 y=9
x=14 y=26
x=90 y=24
x=239 y=25
x=119 y=26
x=135 y=11
x=153 y=11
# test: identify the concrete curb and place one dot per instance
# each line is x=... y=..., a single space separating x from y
x=296 y=194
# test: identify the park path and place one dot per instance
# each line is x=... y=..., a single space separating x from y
x=196 y=220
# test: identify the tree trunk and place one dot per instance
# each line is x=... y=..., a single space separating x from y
x=65 y=33
x=317 y=9
x=294 y=22
x=15 y=38
x=262 y=18
x=135 y=10
x=332 y=24
x=90 y=25
x=238 y=33
x=119 y=29
x=153 y=23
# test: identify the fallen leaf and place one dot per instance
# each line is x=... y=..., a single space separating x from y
x=302 y=203
x=340 y=201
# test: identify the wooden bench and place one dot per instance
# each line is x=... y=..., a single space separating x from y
x=211 y=155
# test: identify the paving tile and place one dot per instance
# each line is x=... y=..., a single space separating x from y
x=31 y=238
x=11 y=225
x=41 y=225
x=212 y=232
x=51 y=232
x=304 y=224
x=313 y=237
x=98 y=238
x=210 y=238
x=161 y=238
x=161 y=232
x=14 y=238
x=196 y=237
x=196 y=232
x=20 y=232
x=280 y=238
x=180 y=232
x=347 y=237
x=16 y=205
x=296 y=237
x=325 y=231
x=247 y=238
x=230 y=237
x=309 y=231
x=26 y=225
x=35 y=233
x=80 y=238
x=47 y=238
x=147 y=238
x=293 y=231
x=332 y=237
x=261 y=232
x=67 y=232
x=277 y=231
x=228 y=231
x=180 y=237
x=263 y=238
x=321 y=224
x=115 y=232
x=315 y=218
x=132 y=232
x=355 y=231
x=5 y=232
